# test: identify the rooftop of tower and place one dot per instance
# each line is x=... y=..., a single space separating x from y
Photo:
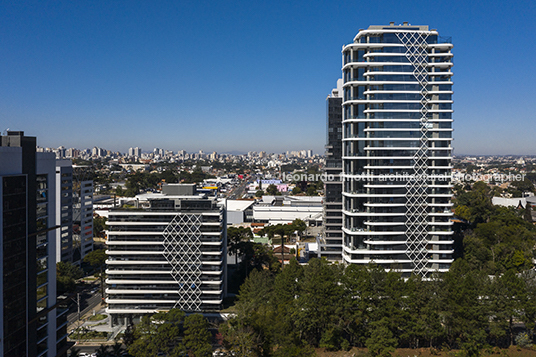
x=404 y=26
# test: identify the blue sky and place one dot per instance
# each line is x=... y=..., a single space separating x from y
x=243 y=75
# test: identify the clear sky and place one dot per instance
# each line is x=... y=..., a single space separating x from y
x=243 y=75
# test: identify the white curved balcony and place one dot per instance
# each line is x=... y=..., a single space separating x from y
x=431 y=251
x=375 y=120
x=366 y=232
x=442 y=214
x=380 y=101
x=354 y=82
x=356 y=231
x=380 y=205
x=369 y=45
x=135 y=262
x=383 y=242
x=136 y=272
x=387 y=167
x=441 y=261
x=382 y=73
x=440 y=195
x=384 y=186
x=374 y=214
x=140 y=282
x=440 y=233
x=444 y=54
x=449 y=74
x=112 y=242
x=441 y=45
x=382 y=224
x=380 y=261
x=132 y=252
x=386 y=195
x=441 y=242
x=355 y=63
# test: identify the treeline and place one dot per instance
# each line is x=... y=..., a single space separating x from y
x=486 y=299
x=336 y=307
x=495 y=239
x=170 y=333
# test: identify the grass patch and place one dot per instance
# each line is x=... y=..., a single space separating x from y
x=97 y=317
x=89 y=335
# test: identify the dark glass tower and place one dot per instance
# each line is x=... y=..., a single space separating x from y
x=331 y=241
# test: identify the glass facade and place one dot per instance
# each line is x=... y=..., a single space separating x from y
x=397 y=115
x=331 y=240
x=14 y=223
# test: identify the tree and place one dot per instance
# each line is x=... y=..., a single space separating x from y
x=296 y=190
x=478 y=203
x=527 y=215
x=272 y=190
x=99 y=225
x=160 y=332
x=97 y=259
x=119 y=191
x=505 y=242
x=320 y=300
x=298 y=225
x=381 y=341
x=505 y=298
x=524 y=186
x=103 y=351
x=197 y=339
x=238 y=239
x=66 y=275
x=248 y=333
x=259 y=193
x=311 y=190
x=463 y=311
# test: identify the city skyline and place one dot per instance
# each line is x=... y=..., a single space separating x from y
x=242 y=76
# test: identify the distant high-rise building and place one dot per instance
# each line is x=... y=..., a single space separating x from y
x=60 y=152
x=170 y=253
x=30 y=324
x=331 y=239
x=64 y=211
x=397 y=133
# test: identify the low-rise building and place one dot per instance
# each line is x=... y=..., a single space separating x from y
x=285 y=209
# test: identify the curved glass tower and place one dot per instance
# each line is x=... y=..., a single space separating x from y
x=397 y=133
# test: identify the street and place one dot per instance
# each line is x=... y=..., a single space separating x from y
x=88 y=302
x=238 y=191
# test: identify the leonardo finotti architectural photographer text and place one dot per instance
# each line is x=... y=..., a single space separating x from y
x=403 y=177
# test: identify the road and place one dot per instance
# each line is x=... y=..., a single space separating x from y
x=88 y=302
x=94 y=348
x=238 y=191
